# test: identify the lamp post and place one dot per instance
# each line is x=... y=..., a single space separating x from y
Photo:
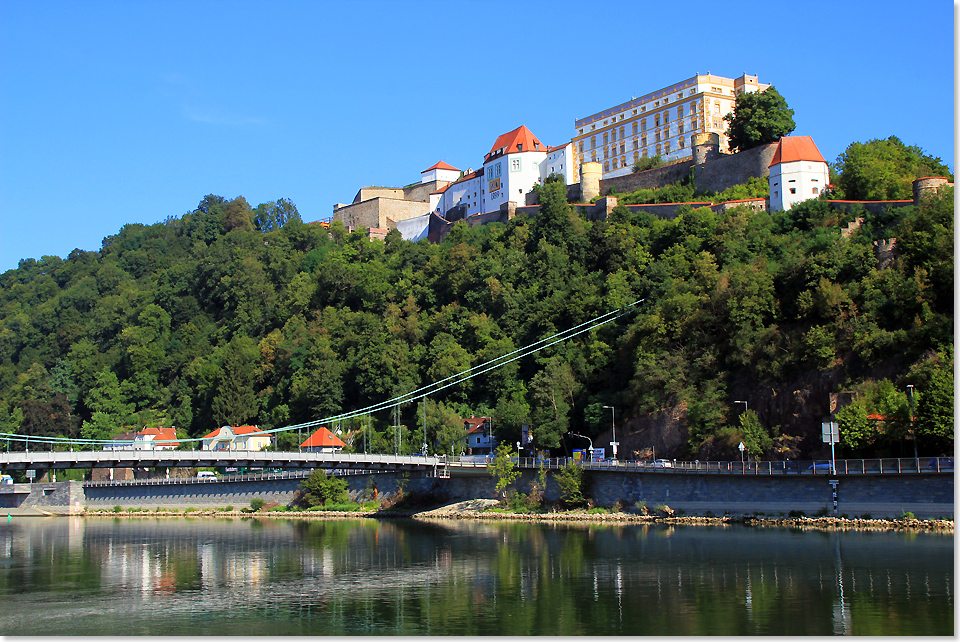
x=613 y=424
x=588 y=439
x=745 y=406
x=913 y=430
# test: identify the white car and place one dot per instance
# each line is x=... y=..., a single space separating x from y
x=662 y=463
x=206 y=474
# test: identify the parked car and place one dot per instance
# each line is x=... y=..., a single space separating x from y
x=6 y=480
x=940 y=463
x=662 y=463
x=820 y=466
x=206 y=474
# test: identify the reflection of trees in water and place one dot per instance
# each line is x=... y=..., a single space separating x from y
x=472 y=577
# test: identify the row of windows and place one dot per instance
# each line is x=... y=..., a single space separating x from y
x=642 y=109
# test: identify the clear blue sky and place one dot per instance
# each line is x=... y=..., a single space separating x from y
x=132 y=111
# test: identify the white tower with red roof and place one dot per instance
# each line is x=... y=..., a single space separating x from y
x=797 y=172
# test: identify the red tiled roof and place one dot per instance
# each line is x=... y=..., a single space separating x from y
x=168 y=435
x=441 y=190
x=475 y=424
x=550 y=150
x=237 y=430
x=511 y=142
x=440 y=165
x=796 y=148
x=323 y=438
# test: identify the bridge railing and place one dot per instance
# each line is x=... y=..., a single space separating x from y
x=793 y=467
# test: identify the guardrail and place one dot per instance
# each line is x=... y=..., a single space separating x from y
x=242 y=477
x=882 y=466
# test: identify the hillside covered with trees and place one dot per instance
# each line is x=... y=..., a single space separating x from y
x=231 y=314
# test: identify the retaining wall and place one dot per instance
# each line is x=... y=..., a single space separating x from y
x=926 y=495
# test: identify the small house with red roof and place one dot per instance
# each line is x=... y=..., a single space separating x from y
x=323 y=441
x=236 y=438
x=480 y=439
x=797 y=172
x=156 y=439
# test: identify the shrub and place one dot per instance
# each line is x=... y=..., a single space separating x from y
x=907 y=515
x=796 y=513
x=257 y=503
x=118 y=509
x=189 y=509
x=823 y=512
x=598 y=510
x=570 y=480
x=320 y=488
x=228 y=509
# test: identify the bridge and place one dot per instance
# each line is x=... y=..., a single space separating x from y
x=86 y=459
x=442 y=465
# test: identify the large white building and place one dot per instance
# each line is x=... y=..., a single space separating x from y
x=797 y=172
x=517 y=161
x=663 y=122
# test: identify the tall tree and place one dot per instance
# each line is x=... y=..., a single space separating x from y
x=758 y=118
x=881 y=170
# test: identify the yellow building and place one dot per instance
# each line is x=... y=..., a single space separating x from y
x=663 y=122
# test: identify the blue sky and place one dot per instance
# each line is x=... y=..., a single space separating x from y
x=130 y=112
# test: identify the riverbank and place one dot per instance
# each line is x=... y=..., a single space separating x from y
x=487 y=509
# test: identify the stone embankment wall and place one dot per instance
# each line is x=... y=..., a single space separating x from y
x=927 y=495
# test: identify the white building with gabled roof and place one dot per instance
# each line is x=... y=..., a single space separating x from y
x=797 y=172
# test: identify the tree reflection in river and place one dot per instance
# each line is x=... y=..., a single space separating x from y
x=339 y=577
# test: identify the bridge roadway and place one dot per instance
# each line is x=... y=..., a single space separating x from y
x=59 y=460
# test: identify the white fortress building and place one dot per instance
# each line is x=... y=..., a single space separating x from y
x=797 y=172
x=663 y=122
x=516 y=163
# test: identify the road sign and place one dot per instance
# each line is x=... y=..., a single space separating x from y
x=742 y=447
x=31 y=474
x=830 y=432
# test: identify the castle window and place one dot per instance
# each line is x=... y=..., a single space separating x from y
x=623 y=161
x=680 y=127
x=656 y=120
x=680 y=142
x=606 y=166
x=666 y=147
x=658 y=148
x=634 y=127
x=593 y=156
x=636 y=156
x=793 y=190
x=680 y=111
x=693 y=108
x=581 y=146
x=593 y=141
x=604 y=138
x=623 y=147
x=643 y=140
x=635 y=143
x=815 y=190
x=613 y=134
x=666 y=117
x=621 y=131
x=643 y=124
x=644 y=153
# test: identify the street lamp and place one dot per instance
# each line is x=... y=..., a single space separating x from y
x=613 y=424
x=745 y=406
x=913 y=430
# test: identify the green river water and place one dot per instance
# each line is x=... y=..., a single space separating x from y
x=205 y=576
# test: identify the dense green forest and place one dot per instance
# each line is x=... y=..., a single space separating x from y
x=231 y=314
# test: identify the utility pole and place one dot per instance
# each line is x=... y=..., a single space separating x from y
x=613 y=423
x=913 y=429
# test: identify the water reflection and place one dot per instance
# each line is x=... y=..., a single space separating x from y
x=338 y=577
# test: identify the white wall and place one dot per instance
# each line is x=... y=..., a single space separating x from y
x=806 y=178
x=414 y=229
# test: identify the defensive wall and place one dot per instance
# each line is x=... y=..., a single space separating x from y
x=880 y=495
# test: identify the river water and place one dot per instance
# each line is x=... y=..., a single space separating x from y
x=206 y=576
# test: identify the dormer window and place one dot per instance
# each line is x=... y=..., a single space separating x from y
x=536 y=145
x=519 y=147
